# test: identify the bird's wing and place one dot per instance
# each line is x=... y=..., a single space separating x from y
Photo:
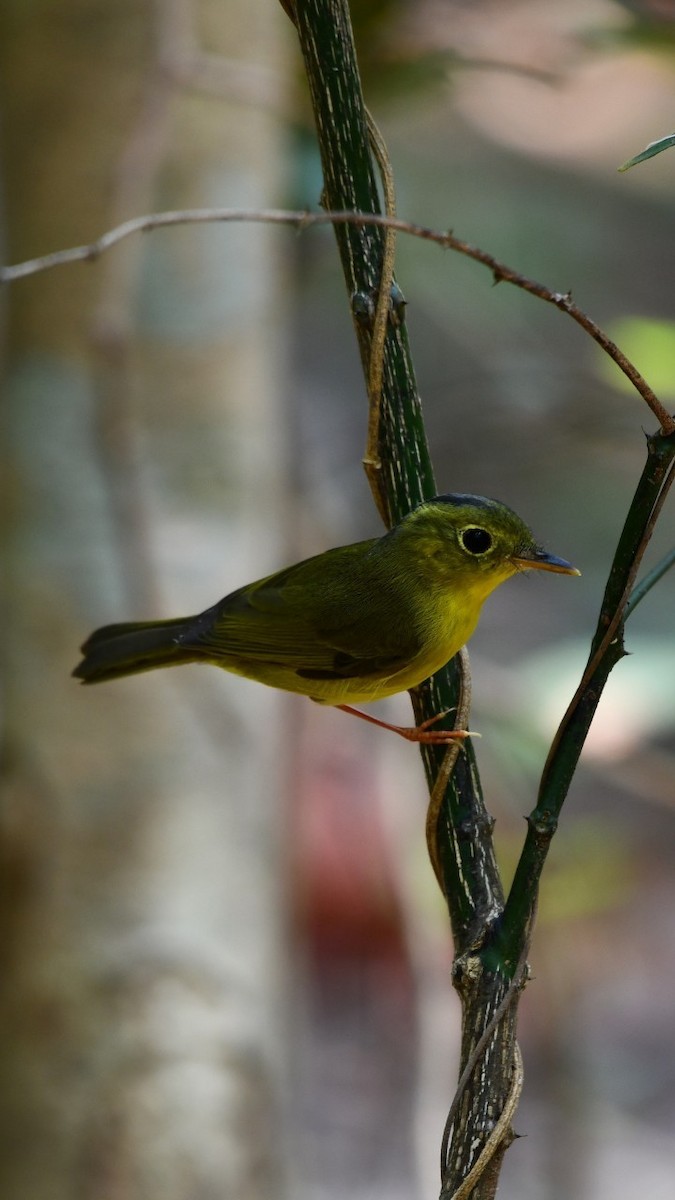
x=325 y=623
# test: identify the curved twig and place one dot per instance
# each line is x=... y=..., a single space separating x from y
x=447 y=767
x=371 y=458
x=651 y=578
x=497 y=1135
x=301 y=220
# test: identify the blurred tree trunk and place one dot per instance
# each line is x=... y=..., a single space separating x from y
x=143 y=475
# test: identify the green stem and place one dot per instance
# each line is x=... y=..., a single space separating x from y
x=470 y=876
x=649 y=581
x=606 y=651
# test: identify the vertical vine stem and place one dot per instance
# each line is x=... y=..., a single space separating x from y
x=462 y=834
x=471 y=880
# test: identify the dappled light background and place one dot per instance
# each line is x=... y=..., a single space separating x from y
x=228 y=966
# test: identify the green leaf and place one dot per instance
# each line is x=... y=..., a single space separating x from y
x=650 y=344
x=650 y=151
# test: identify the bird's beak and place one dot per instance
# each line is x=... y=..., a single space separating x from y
x=540 y=560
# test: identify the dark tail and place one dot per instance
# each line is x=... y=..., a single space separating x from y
x=117 y=650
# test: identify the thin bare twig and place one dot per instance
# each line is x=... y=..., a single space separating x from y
x=300 y=219
x=650 y=580
x=447 y=767
x=564 y=301
x=371 y=458
x=500 y=1129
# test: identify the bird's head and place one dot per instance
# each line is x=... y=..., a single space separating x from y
x=472 y=541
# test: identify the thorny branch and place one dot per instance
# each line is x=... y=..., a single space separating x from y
x=302 y=220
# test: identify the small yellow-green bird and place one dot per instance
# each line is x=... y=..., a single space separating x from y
x=354 y=624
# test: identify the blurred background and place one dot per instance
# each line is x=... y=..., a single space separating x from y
x=225 y=961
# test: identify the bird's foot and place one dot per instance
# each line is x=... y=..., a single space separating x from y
x=422 y=734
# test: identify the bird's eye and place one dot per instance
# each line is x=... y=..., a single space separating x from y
x=476 y=540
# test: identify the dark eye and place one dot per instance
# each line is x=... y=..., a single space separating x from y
x=476 y=540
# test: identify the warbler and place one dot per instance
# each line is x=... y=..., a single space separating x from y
x=351 y=625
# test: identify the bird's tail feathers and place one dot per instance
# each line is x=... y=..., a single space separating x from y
x=128 y=649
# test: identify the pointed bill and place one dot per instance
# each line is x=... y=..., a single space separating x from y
x=540 y=560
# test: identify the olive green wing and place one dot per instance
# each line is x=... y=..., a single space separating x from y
x=327 y=617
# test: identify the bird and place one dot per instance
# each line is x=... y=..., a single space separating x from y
x=354 y=624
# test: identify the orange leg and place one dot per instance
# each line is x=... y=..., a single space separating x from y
x=415 y=733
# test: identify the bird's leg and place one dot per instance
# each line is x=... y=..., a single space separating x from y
x=414 y=733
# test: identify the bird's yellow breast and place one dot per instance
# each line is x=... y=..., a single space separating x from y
x=445 y=621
